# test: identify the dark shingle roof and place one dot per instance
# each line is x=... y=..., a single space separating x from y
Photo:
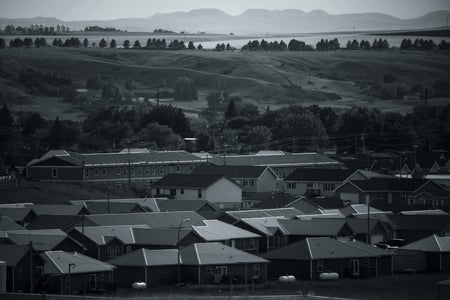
x=313 y=227
x=359 y=226
x=159 y=236
x=182 y=205
x=389 y=184
x=17 y=214
x=288 y=212
x=187 y=181
x=319 y=174
x=231 y=171
x=144 y=257
x=57 y=209
x=6 y=223
x=57 y=262
x=42 y=240
x=420 y=222
x=114 y=207
x=57 y=222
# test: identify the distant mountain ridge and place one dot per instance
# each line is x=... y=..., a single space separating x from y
x=252 y=21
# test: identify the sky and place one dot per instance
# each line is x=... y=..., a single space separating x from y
x=68 y=10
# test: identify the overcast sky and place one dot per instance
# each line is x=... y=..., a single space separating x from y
x=112 y=9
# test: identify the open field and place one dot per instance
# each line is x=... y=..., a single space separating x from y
x=339 y=79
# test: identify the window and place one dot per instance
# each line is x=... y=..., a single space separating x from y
x=153 y=170
x=161 y=170
x=411 y=201
x=114 y=250
x=147 y=171
x=199 y=193
x=54 y=173
x=291 y=185
x=104 y=171
x=132 y=171
x=257 y=269
x=208 y=269
x=329 y=187
x=119 y=171
x=252 y=244
x=92 y=281
x=319 y=266
x=182 y=191
x=173 y=192
x=86 y=173
x=310 y=185
x=139 y=171
x=178 y=168
x=367 y=262
x=191 y=168
x=129 y=248
x=252 y=182
x=125 y=171
x=222 y=270
x=96 y=172
x=245 y=182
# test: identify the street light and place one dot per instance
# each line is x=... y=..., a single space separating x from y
x=70 y=279
x=178 y=247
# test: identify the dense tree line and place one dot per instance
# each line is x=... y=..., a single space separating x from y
x=100 y=29
x=47 y=30
x=421 y=44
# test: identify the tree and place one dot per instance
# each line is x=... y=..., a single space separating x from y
x=231 y=110
x=160 y=137
x=259 y=136
x=185 y=90
x=102 y=43
x=126 y=44
x=199 y=47
x=191 y=46
x=85 y=43
x=214 y=100
x=2 y=43
x=113 y=44
x=137 y=44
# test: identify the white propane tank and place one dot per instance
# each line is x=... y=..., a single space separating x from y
x=283 y=279
x=291 y=279
x=329 y=276
x=138 y=285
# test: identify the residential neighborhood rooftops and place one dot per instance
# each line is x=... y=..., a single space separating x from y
x=57 y=209
x=59 y=262
x=7 y=223
x=42 y=240
x=313 y=227
x=100 y=234
x=216 y=254
x=433 y=243
x=420 y=222
x=12 y=254
x=389 y=184
x=215 y=230
x=17 y=214
x=288 y=212
x=147 y=258
x=231 y=171
x=356 y=209
x=57 y=222
x=95 y=207
x=159 y=236
x=267 y=226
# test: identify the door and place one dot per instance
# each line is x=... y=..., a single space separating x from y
x=92 y=282
x=354 y=267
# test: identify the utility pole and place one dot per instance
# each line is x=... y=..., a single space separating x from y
x=294 y=148
x=108 y=198
x=129 y=165
x=31 y=267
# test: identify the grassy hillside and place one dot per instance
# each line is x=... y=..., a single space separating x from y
x=341 y=79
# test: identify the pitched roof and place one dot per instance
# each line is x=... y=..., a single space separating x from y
x=144 y=257
x=319 y=174
x=57 y=209
x=316 y=205
x=367 y=247
x=12 y=254
x=275 y=160
x=318 y=248
x=42 y=240
x=152 y=219
x=149 y=203
x=216 y=254
x=17 y=214
x=138 y=157
x=359 y=226
x=57 y=222
x=95 y=207
x=356 y=209
x=287 y=212
x=231 y=171
x=266 y=225
x=424 y=212
x=6 y=223
x=215 y=230
x=101 y=234
x=390 y=184
x=188 y=181
x=420 y=222
x=433 y=243
x=159 y=236
x=57 y=262
x=313 y=227
x=182 y=205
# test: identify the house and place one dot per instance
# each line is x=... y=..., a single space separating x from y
x=416 y=227
x=316 y=205
x=298 y=229
x=378 y=232
x=252 y=179
x=136 y=167
x=437 y=250
x=7 y=223
x=217 y=189
x=282 y=163
x=164 y=238
x=154 y=267
x=235 y=216
x=105 y=242
x=58 y=209
x=19 y=262
x=206 y=263
x=72 y=272
x=395 y=193
x=308 y=258
x=361 y=209
x=315 y=182
x=148 y=204
x=105 y=207
x=42 y=240
x=20 y=215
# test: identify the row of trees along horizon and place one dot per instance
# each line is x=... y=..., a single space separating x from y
x=255 y=45
x=228 y=125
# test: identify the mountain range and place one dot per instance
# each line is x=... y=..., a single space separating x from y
x=253 y=21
